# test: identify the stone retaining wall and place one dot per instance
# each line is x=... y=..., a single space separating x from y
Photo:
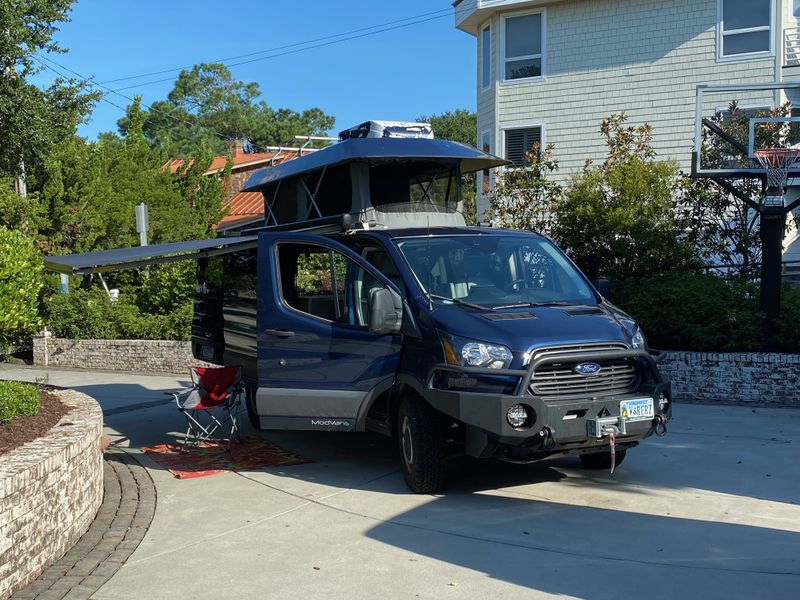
x=145 y=356
x=734 y=377
x=50 y=490
x=730 y=377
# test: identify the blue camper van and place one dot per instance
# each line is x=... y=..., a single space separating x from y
x=363 y=302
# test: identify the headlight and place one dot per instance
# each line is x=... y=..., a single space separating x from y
x=470 y=353
x=638 y=341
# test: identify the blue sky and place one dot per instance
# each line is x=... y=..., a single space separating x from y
x=398 y=75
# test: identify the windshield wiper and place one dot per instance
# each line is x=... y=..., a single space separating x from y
x=533 y=304
x=460 y=301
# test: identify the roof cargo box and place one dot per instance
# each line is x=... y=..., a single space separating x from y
x=388 y=129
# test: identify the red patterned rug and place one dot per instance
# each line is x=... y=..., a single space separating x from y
x=210 y=458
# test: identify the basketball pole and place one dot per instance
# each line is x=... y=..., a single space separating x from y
x=773 y=221
x=772 y=215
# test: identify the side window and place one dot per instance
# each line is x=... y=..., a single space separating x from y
x=240 y=276
x=325 y=284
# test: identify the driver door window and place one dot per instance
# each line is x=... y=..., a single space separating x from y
x=325 y=284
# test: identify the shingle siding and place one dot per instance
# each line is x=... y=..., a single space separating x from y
x=608 y=56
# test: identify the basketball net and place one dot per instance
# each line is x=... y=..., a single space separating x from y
x=777 y=162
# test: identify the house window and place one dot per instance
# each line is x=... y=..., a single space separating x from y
x=486 y=56
x=524 y=46
x=520 y=141
x=745 y=27
x=486 y=146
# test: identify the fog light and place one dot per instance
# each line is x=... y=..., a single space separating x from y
x=518 y=416
x=663 y=402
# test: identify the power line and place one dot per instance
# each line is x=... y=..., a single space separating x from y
x=109 y=90
x=278 y=48
x=295 y=51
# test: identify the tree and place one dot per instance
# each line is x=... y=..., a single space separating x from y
x=90 y=190
x=208 y=106
x=526 y=197
x=33 y=121
x=21 y=279
x=461 y=126
x=618 y=219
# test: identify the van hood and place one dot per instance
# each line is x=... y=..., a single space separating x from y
x=520 y=329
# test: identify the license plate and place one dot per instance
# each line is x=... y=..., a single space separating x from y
x=638 y=409
x=207 y=352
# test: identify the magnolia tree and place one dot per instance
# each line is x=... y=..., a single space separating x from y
x=21 y=280
x=526 y=197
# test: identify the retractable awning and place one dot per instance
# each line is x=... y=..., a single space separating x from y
x=142 y=256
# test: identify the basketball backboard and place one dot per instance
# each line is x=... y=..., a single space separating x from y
x=732 y=121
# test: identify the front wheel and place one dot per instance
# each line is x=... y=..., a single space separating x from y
x=602 y=460
x=421 y=445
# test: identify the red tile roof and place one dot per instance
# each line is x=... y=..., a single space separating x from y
x=242 y=207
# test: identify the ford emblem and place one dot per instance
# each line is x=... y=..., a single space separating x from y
x=588 y=368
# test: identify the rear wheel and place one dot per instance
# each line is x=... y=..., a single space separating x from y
x=421 y=445
x=250 y=402
x=602 y=460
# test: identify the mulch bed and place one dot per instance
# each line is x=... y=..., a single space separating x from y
x=21 y=430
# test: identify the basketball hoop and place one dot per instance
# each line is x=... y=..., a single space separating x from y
x=777 y=162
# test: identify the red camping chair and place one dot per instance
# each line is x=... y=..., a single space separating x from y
x=211 y=404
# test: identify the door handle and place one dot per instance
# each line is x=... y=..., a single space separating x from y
x=279 y=332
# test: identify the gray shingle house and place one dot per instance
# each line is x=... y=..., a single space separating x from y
x=551 y=70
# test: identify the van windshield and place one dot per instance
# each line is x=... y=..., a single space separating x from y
x=494 y=271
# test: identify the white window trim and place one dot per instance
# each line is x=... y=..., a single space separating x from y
x=484 y=134
x=750 y=55
x=484 y=65
x=522 y=125
x=501 y=49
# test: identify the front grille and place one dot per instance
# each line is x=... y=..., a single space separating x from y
x=617 y=376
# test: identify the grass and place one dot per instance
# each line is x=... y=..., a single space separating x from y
x=17 y=399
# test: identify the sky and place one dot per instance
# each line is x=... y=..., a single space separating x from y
x=422 y=69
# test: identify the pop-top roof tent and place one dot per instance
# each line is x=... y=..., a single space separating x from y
x=382 y=173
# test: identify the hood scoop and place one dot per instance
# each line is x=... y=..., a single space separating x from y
x=509 y=316
x=584 y=311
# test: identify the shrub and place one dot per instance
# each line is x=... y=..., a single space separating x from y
x=789 y=322
x=688 y=311
x=21 y=279
x=89 y=314
x=618 y=219
x=17 y=399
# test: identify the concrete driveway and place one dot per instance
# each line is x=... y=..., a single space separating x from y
x=712 y=510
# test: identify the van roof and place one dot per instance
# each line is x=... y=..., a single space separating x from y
x=377 y=150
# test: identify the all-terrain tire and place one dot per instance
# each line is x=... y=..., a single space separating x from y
x=602 y=460
x=421 y=445
x=250 y=404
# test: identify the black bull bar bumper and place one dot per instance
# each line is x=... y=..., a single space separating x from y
x=558 y=424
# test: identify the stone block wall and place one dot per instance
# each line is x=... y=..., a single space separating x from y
x=50 y=490
x=144 y=356
x=734 y=377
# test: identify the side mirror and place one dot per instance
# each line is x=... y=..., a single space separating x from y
x=603 y=286
x=386 y=315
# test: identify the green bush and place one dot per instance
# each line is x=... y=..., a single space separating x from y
x=789 y=323
x=21 y=279
x=688 y=311
x=89 y=314
x=17 y=399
